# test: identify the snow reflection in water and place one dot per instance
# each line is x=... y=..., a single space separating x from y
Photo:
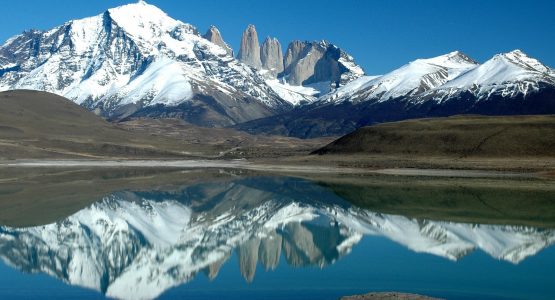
x=137 y=245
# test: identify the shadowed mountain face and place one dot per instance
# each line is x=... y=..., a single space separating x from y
x=166 y=237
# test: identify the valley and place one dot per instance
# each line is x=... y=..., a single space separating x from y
x=145 y=157
x=460 y=142
x=27 y=130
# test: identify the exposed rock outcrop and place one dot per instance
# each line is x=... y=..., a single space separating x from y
x=271 y=56
x=293 y=54
x=311 y=62
x=249 y=52
x=214 y=35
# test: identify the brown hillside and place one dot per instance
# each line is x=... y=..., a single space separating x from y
x=459 y=136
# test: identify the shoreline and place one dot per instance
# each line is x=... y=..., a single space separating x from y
x=278 y=166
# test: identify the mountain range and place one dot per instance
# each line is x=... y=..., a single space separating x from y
x=508 y=84
x=166 y=238
x=136 y=61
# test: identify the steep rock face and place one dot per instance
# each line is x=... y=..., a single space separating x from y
x=136 y=60
x=311 y=70
x=249 y=52
x=271 y=56
x=293 y=54
x=214 y=35
x=312 y=62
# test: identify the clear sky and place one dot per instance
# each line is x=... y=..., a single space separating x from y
x=381 y=35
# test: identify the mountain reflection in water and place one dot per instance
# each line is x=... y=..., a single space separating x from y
x=136 y=245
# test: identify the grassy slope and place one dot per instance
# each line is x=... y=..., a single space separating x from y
x=41 y=125
x=238 y=144
x=37 y=124
x=459 y=136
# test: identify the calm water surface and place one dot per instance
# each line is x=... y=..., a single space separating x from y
x=271 y=237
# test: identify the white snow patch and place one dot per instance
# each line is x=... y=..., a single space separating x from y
x=293 y=94
x=164 y=79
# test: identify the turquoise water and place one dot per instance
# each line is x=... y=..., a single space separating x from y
x=267 y=238
x=376 y=264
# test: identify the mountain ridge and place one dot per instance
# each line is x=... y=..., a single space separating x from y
x=136 y=61
x=507 y=84
x=93 y=60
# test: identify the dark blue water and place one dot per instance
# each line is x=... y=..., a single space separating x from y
x=171 y=242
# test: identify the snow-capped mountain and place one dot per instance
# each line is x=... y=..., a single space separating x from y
x=508 y=84
x=163 y=239
x=508 y=75
x=134 y=57
x=412 y=79
x=135 y=60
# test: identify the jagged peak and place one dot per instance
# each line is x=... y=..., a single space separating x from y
x=519 y=58
x=515 y=54
x=213 y=35
x=461 y=55
x=250 y=27
x=325 y=43
x=451 y=59
x=212 y=30
x=143 y=20
x=269 y=38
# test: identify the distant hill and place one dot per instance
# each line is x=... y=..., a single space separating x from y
x=459 y=136
x=38 y=124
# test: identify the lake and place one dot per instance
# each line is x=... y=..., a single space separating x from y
x=235 y=234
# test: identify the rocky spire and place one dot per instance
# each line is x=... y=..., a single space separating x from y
x=214 y=35
x=249 y=52
x=271 y=56
x=293 y=54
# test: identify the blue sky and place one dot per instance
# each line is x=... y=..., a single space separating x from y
x=381 y=35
